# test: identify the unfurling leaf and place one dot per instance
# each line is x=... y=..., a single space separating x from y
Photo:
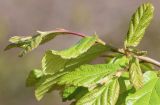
x=138 y=24
x=102 y=95
x=136 y=76
x=32 y=42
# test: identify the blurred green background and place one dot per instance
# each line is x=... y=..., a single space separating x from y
x=108 y=18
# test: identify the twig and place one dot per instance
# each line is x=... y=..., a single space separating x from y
x=75 y=33
x=70 y=32
x=143 y=58
x=149 y=60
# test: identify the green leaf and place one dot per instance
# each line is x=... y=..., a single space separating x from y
x=149 y=94
x=45 y=84
x=125 y=89
x=139 y=22
x=50 y=80
x=33 y=77
x=121 y=60
x=81 y=47
x=31 y=42
x=73 y=92
x=147 y=66
x=136 y=76
x=149 y=75
x=102 y=95
x=53 y=62
x=89 y=75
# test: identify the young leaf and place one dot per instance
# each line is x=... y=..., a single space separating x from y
x=51 y=63
x=32 y=42
x=48 y=81
x=56 y=60
x=136 y=76
x=149 y=94
x=45 y=84
x=121 y=60
x=139 y=22
x=89 y=75
x=103 y=95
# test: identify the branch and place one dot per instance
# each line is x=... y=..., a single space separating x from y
x=76 y=34
x=143 y=58
x=149 y=60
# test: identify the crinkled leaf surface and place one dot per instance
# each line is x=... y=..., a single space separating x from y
x=32 y=42
x=48 y=81
x=102 y=95
x=139 y=22
x=45 y=84
x=136 y=76
x=54 y=61
x=89 y=75
x=149 y=94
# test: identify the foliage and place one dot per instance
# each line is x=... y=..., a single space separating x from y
x=124 y=79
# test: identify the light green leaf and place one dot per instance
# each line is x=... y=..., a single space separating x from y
x=149 y=94
x=139 y=22
x=50 y=80
x=121 y=60
x=33 y=77
x=136 y=76
x=58 y=61
x=45 y=84
x=89 y=75
x=31 y=42
x=102 y=95
x=125 y=89
x=149 y=75
x=147 y=66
